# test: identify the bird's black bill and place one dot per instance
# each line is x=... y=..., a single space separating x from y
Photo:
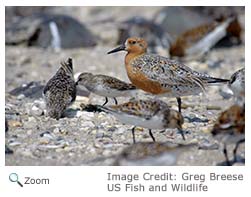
x=120 y=48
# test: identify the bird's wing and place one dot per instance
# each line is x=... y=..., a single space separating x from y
x=115 y=83
x=166 y=71
x=141 y=108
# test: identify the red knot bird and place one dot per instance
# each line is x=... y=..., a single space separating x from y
x=152 y=154
x=106 y=86
x=230 y=128
x=160 y=75
x=60 y=90
x=150 y=114
x=237 y=85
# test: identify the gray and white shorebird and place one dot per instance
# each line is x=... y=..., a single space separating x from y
x=152 y=154
x=237 y=85
x=160 y=75
x=60 y=90
x=106 y=86
x=149 y=114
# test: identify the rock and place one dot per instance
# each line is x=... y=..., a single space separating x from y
x=32 y=89
x=35 y=111
x=8 y=150
x=14 y=123
x=37 y=30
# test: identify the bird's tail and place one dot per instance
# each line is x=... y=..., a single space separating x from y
x=67 y=67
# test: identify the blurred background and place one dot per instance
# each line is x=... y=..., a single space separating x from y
x=39 y=38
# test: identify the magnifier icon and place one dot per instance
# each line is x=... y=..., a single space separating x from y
x=13 y=177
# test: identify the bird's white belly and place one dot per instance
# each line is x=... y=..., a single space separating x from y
x=110 y=93
x=153 y=123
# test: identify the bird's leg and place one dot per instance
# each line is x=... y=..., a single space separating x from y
x=106 y=101
x=226 y=155
x=151 y=134
x=179 y=103
x=133 y=134
x=236 y=148
x=115 y=101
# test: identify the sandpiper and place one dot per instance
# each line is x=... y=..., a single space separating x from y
x=150 y=114
x=154 y=154
x=160 y=75
x=60 y=90
x=230 y=128
x=106 y=86
x=237 y=85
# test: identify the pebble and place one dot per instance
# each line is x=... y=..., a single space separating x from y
x=56 y=130
x=100 y=135
x=27 y=153
x=8 y=150
x=14 y=123
x=88 y=124
x=20 y=97
x=35 y=111
x=14 y=143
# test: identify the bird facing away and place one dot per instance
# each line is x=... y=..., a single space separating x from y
x=230 y=128
x=60 y=90
x=106 y=86
x=150 y=114
x=160 y=75
x=237 y=85
x=152 y=154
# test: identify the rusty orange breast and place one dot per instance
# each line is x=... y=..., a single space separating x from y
x=142 y=82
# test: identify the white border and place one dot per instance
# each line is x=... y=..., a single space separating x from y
x=89 y=180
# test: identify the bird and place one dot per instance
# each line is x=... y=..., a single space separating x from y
x=237 y=85
x=107 y=86
x=150 y=114
x=230 y=128
x=152 y=154
x=197 y=41
x=60 y=90
x=160 y=75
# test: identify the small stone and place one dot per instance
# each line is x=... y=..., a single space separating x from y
x=56 y=130
x=205 y=130
x=120 y=130
x=29 y=132
x=14 y=143
x=88 y=124
x=35 y=111
x=20 y=96
x=14 y=123
x=100 y=135
x=111 y=128
x=27 y=153
x=8 y=150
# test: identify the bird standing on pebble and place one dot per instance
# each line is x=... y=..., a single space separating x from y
x=60 y=90
x=106 y=86
x=150 y=114
x=230 y=128
x=160 y=75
